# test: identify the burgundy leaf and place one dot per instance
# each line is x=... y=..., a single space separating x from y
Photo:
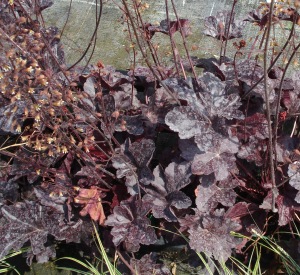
x=255 y=126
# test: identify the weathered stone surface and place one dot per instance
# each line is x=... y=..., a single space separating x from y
x=112 y=40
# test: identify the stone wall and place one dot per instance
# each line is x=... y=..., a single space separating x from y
x=112 y=40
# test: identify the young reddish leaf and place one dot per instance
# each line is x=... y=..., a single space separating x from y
x=91 y=198
x=255 y=126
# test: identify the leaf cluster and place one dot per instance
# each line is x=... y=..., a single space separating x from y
x=130 y=150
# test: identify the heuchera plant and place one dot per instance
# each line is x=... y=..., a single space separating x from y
x=77 y=146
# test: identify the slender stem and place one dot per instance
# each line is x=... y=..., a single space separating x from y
x=92 y=38
x=133 y=271
x=228 y=29
x=149 y=44
x=145 y=55
x=268 y=111
x=184 y=42
x=280 y=94
x=171 y=38
x=273 y=63
x=65 y=24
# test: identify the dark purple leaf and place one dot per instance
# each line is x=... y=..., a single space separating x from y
x=147 y=266
x=188 y=149
x=216 y=26
x=164 y=192
x=125 y=97
x=30 y=164
x=241 y=209
x=219 y=102
x=133 y=162
x=131 y=225
x=142 y=151
x=211 y=234
x=258 y=18
x=126 y=169
x=8 y=191
x=144 y=72
x=112 y=79
x=249 y=216
x=132 y=124
x=285 y=147
x=294 y=174
x=89 y=92
x=172 y=27
x=253 y=150
x=11 y=117
x=24 y=222
x=185 y=121
x=286 y=209
x=209 y=197
x=218 y=158
x=183 y=90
